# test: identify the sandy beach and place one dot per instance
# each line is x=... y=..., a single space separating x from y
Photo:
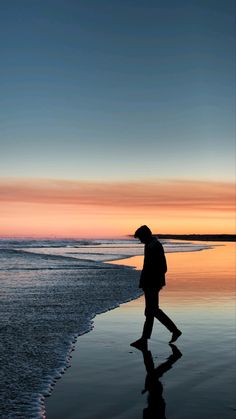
x=192 y=380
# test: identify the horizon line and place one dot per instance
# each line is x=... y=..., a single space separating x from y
x=114 y=236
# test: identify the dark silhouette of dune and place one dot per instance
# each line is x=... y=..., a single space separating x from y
x=201 y=237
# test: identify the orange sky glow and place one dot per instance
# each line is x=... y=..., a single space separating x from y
x=45 y=207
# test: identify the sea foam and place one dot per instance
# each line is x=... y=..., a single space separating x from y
x=42 y=312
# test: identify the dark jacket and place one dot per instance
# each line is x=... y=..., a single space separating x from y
x=154 y=266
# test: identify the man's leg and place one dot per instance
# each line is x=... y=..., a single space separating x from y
x=147 y=327
x=150 y=306
x=168 y=323
x=148 y=324
x=165 y=320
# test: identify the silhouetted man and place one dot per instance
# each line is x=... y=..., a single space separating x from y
x=151 y=281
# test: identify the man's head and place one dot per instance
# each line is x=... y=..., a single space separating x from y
x=144 y=234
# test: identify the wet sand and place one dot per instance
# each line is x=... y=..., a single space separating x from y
x=107 y=376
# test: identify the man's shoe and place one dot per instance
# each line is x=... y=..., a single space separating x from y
x=140 y=344
x=175 y=335
x=175 y=351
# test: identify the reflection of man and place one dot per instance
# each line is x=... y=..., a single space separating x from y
x=152 y=280
x=156 y=403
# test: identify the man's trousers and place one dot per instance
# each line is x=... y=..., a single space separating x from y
x=152 y=310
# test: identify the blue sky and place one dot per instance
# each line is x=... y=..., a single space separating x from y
x=117 y=89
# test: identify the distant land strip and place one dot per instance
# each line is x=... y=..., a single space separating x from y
x=203 y=237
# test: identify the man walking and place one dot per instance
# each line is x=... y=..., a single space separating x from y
x=151 y=281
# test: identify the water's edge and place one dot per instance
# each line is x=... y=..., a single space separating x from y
x=72 y=341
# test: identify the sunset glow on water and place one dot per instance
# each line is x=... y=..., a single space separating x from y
x=206 y=276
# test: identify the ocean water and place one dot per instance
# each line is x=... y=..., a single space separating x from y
x=50 y=292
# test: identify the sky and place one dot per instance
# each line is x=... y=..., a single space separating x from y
x=136 y=97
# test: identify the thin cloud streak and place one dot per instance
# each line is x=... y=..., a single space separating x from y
x=162 y=194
